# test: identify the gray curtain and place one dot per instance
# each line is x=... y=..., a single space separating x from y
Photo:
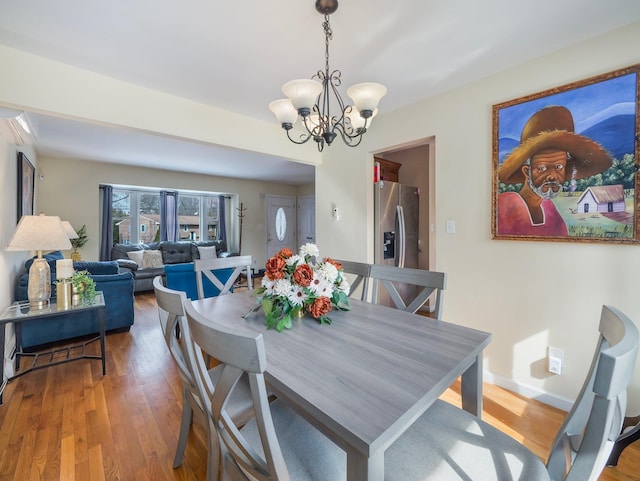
x=169 y=224
x=222 y=219
x=106 y=227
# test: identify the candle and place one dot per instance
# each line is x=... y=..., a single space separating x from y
x=64 y=268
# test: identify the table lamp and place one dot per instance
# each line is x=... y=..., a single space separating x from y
x=39 y=233
x=69 y=230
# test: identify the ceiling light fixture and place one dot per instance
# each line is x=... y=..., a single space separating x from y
x=310 y=100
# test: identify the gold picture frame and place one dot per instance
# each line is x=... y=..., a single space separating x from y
x=564 y=162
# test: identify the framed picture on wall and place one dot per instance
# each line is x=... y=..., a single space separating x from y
x=564 y=162
x=26 y=179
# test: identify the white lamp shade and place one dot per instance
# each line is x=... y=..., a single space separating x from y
x=357 y=120
x=366 y=96
x=284 y=111
x=69 y=230
x=302 y=92
x=39 y=233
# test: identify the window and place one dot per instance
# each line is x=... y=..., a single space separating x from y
x=197 y=216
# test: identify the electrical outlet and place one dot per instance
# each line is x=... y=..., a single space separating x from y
x=556 y=359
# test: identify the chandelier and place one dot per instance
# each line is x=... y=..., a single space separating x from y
x=310 y=100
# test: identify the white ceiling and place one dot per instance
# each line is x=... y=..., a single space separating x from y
x=235 y=55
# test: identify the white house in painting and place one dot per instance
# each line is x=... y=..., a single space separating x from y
x=604 y=198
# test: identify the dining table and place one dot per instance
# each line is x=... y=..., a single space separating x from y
x=366 y=377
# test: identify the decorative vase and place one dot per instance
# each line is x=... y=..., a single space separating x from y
x=76 y=298
x=75 y=255
x=299 y=313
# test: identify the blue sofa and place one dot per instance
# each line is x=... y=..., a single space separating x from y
x=116 y=287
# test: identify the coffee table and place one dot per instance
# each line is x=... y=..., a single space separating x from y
x=20 y=312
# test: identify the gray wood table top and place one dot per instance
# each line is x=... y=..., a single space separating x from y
x=366 y=377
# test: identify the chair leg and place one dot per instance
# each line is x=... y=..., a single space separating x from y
x=215 y=469
x=185 y=425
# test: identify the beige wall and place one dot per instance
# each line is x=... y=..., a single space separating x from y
x=528 y=294
x=69 y=188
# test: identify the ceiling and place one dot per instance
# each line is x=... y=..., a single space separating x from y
x=235 y=55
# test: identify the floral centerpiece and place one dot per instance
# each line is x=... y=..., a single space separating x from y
x=297 y=284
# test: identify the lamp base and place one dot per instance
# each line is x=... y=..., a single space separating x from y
x=39 y=287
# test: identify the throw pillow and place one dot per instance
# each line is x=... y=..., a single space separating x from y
x=136 y=256
x=152 y=259
x=207 y=252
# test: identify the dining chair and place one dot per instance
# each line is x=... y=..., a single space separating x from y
x=432 y=284
x=445 y=443
x=362 y=272
x=176 y=334
x=205 y=268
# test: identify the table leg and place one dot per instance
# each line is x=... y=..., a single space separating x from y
x=361 y=468
x=2 y=340
x=471 y=388
x=102 y=342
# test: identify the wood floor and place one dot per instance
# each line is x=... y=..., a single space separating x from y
x=69 y=423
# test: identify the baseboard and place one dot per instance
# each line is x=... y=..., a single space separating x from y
x=528 y=391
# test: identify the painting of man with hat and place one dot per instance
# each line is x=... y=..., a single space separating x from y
x=550 y=152
x=563 y=159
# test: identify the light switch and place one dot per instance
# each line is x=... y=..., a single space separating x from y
x=451 y=227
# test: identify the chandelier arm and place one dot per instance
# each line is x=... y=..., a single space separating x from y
x=303 y=138
x=350 y=140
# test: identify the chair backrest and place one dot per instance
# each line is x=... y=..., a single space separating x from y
x=432 y=283
x=585 y=439
x=173 y=323
x=206 y=268
x=241 y=352
x=362 y=273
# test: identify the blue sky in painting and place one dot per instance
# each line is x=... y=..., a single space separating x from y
x=590 y=106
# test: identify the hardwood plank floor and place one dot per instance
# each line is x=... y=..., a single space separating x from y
x=69 y=423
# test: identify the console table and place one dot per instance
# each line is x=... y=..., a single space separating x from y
x=20 y=312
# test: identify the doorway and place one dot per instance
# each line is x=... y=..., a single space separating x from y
x=306 y=219
x=281 y=223
x=414 y=164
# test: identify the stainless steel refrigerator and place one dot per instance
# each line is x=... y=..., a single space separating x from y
x=396 y=237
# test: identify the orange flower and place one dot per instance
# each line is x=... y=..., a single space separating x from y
x=285 y=253
x=335 y=263
x=320 y=307
x=303 y=275
x=274 y=268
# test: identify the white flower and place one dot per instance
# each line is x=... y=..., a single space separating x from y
x=297 y=297
x=310 y=250
x=328 y=271
x=282 y=287
x=344 y=286
x=320 y=286
x=295 y=259
x=268 y=285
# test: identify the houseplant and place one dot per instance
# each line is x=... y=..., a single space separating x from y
x=79 y=242
x=295 y=285
x=83 y=287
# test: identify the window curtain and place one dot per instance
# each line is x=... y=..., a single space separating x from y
x=106 y=221
x=222 y=219
x=169 y=224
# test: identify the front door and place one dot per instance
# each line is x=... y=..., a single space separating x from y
x=281 y=223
